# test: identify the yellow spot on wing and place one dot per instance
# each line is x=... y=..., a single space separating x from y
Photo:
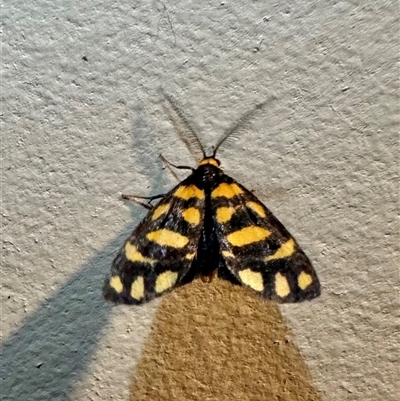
x=209 y=161
x=252 y=279
x=189 y=192
x=256 y=207
x=226 y=190
x=248 y=235
x=304 y=280
x=190 y=256
x=160 y=210
x=116 y=284
x=166 y=237
x=284 y=251
x=192 y=215
x=137 y=288
x=165 y=281
x=224 y=214
x=228 y=254
x=133 y=255
x=281 y=285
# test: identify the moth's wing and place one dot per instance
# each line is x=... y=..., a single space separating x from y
x=160 y=251
x=255 y=248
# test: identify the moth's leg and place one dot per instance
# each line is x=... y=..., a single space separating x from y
x=174 y=165
x=134 y=198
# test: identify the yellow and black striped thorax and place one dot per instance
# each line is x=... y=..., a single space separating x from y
x=208 y=172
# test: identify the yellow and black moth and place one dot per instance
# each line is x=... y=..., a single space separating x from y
x=210 y=224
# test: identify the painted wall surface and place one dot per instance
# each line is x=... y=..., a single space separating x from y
x=83 y=120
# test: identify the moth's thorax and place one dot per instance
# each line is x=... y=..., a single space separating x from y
x=207 y=171
x=210 y=160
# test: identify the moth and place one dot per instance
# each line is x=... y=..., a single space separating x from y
x=208 y=225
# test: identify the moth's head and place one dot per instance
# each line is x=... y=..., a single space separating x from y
x=210 y=160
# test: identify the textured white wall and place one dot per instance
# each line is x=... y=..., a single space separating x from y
x=83 y=121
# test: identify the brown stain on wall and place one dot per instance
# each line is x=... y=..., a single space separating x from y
x=220 y=342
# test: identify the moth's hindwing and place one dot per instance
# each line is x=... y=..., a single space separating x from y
x=257 y=249
x=159 y=253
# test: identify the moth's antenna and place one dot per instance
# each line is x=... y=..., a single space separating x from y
x=190 y=138
x=238 y=126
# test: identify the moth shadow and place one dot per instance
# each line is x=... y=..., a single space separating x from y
x=53 y=347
